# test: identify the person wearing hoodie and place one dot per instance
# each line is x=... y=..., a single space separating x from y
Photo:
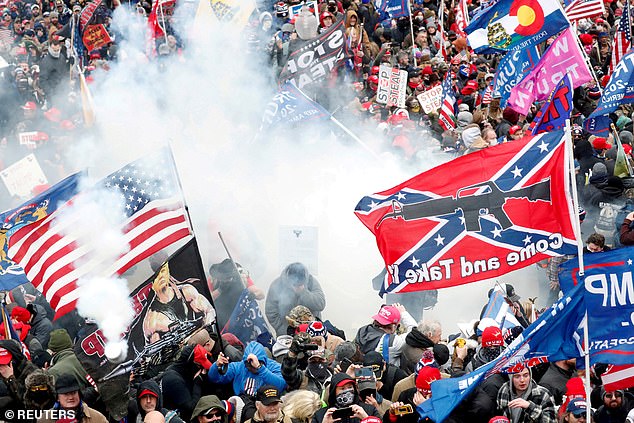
x=210 y=409
x=381 y=335
x=427 y=334
x=183 y=381
x=64 y=360
x=41 y=326
x=295 y=286
x=255 y=370
x=343 y=394
x=53 y=68
x=14 y=369
x=149 y=398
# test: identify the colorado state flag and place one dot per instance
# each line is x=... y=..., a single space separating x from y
x=510 y=23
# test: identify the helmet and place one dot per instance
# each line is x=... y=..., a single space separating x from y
x=374 y=70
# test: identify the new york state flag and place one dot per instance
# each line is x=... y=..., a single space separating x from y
x=476 y=217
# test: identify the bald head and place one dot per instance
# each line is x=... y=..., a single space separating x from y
x=154 y=417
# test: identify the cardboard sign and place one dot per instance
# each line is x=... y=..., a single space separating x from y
x=22 y=176
x=31 y=139
x=431 y=100
x=96 y=36
x=392 y=86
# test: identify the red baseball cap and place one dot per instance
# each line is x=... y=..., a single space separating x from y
x=147 y=392
x=5 y=356
x=492 y=337
x=387 y=315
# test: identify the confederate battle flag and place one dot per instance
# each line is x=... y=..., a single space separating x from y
x=477 y=217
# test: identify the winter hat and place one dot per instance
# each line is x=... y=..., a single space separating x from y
x=60 y=340
x=20 y=314
x=345 y=350
x=626 y=137
x=470 y=134
x=282 y=345
x=492 y=337
x=622 y=121
x=600 y=143
x=387 y=315
x=586 y=39
x=599 y=169
x=426 y=376
x=441 y=354
x=66 y=383
x=464 y=118
x=594 y=93
x=317 y=329
x=511 y=115
x=426 y=360
x=499 y=419
x=463 y=107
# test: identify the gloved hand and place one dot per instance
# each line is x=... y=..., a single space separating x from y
x=299 y=341
x=200 y=357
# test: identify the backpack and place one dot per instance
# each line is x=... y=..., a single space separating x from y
x=606 y=223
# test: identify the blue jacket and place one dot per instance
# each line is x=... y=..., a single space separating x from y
x=269 y=374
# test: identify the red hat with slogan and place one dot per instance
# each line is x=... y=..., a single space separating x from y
x=499 y=419
x=426 y=376
x=5 y=356
x=387 y=315
x=492 y=337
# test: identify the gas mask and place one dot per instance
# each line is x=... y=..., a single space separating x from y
x=345 y=398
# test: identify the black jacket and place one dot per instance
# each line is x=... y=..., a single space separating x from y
x=337 y=378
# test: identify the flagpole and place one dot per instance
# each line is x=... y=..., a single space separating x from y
x=411 y=27
x=574 y=215
x=180 y=186
x=619 y=145
x=160 y=4
x=586 y=59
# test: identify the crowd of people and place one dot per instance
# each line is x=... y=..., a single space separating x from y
x=312 y=371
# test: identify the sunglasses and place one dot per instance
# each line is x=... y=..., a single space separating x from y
x=213 y=415
x=580 y=415
x=38 y=388
x=613 y=394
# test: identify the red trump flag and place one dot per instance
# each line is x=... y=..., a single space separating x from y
x=477 y=217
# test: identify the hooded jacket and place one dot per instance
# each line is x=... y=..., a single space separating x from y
x=336 y=379
x=152 y=386
x=41 y=326
x=207 y=403
x=415 y=343
x=268 y=374
x=181 y=390
x=369 y=338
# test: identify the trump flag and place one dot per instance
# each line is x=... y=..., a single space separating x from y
x=477 y=217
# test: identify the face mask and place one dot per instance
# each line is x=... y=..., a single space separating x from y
x=39 y=397
x=345 y=398
x=266 y=25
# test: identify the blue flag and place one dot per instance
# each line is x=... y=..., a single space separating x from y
x=618 y=91
x=556 y=110
x=552 y=337
x=498 y=313
x=609 y=296
x=512 y=68
x=393 y=8
x=38 y=208
x=246 y=321
x=515 y=23
x=290 y=105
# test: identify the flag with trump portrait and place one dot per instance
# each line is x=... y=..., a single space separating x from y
x=474 y=218
x=515 y=23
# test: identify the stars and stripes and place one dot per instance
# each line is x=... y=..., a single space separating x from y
x=433 y=228
x=584 y=9
x=447 y=117
x=56 y=252
x=622 y=37
x=488 y=94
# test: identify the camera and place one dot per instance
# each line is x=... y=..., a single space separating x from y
x=363 y=372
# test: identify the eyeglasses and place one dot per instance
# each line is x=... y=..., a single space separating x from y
x=614 y=394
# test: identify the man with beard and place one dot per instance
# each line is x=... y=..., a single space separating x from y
x=174 y=303
x=556 y=377
x=614 y=409
x=268 y=405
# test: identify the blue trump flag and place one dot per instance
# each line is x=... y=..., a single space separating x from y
x=246 y=321
x=498 y=312
x=512 y=68
x=608 y=288
x=393 y=8
x=556 y=110
x=552 y=337
x=290 y=105
x=36 y=209
x=618 y=91
x=515 y=23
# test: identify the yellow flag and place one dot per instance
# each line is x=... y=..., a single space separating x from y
x=622 y=167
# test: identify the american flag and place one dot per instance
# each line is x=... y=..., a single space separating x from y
x=439 y=40
x=488 y=94
x=584 y=9
x=88 y=12
x=622 y=37
x=618 y=377
x=447 y=118
x=462 y=17
x=54 y=249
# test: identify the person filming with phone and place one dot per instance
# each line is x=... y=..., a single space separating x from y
x=344 y=404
